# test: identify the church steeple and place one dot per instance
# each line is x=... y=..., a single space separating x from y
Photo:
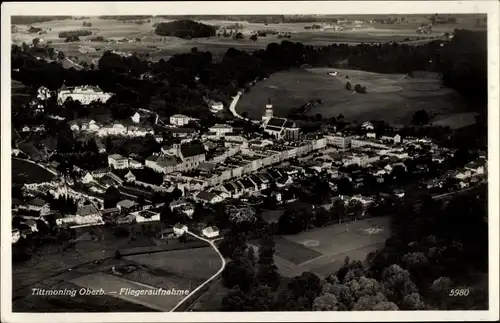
x=269 y=110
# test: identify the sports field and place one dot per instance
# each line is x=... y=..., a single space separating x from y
x=390 y=97
x=323 y=250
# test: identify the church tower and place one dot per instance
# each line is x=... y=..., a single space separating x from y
x=269 y=111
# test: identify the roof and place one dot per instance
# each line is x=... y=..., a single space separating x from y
x=147 y=214
x=110 y=210
x=206 y=196
x=153 y=158
x=206 y=166
x=167 y=161
x=277 y=122
x=126 y=204
x=54 y=163
x=37 y=202
x=222 y=126
x=178 y=116
x=180 y=226
x=212 y=229
x=182 y=130
x=86 y=210
x=192 y=150
x=117 y=157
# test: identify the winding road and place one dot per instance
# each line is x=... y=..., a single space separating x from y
x=212 y=244
x=232 y=109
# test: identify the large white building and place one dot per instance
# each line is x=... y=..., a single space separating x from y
x=221 y=129
x=117 y=161
x=339 y=140
x=179 y=120
x=84 y=94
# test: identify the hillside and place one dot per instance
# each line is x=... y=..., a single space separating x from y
x=184 y=29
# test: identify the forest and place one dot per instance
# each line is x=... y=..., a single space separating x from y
x=184 y=29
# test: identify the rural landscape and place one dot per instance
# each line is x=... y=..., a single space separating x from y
x=249 y=163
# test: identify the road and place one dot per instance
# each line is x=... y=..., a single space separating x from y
x=209 y=279
x=232 y=108
x=37 y=164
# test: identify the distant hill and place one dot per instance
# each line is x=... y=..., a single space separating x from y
x=184 y=29
x=125 y=18
x=28 y=20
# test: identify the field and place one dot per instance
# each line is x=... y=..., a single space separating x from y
x=323 y=250
x=179 y=270
x=164 y=47
x=25 y=172
x=391 y=97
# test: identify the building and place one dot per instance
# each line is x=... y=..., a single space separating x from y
x=127 y=206
x=134 y=164
x=136 y=118
x=221 y=129
x=179 y=120
x=146 y=216
x=85 y=216
x=39 y=205
x=88 y=178
x=180 y=229
x=339 y=140
x=216 y=107
x=210 y=232
x=118 y=161
x=192 y=154
x=84 y=94
x=208 y=197
x=282 y=128
x=16 y=235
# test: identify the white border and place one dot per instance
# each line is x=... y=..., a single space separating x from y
x=282 y=7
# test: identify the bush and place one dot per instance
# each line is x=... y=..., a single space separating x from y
x=360 y=89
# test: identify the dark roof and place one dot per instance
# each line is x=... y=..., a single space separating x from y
x=147 y=214
x=229 y=187
x=277 y=122
x=110 y=210
x=207 y=196
x=86 y=210
x=206 y=166
x=273 y=128
x=152 y=158
x=182 y=130
x=289 y=124
x=167 y=161
x=37 y=202
x=192 y=150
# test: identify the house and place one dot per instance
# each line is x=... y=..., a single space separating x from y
x=146 y=216
x=134 y=164
x=25 y=129
x=182 y=132
x=177 y=204
x=136 y=118
x=16 y=235
x=221 y=129
x=180 y=229
x=39 y=205
x=367 y=125
x=192 y=154
x=179 y=120
x=159 y=138
x=110 y=214
x=85 y=215
x=216 y=107
x=98 y=173
x=87 y=178
x=130 y=177
x=128 y=206
x=187 y=210
x=210 y=232
x=31 y=224
x=117 y=161
x=54 y=164
x=208 y=197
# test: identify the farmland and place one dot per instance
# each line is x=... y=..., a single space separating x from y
x=142 y=38
x=391 y=97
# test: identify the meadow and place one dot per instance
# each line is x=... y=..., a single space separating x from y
x=390 y=97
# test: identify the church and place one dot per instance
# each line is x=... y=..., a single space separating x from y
x=280 y=128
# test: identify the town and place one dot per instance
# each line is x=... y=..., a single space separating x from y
x=138 y=172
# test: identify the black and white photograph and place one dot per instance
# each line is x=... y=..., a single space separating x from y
x=174 y=159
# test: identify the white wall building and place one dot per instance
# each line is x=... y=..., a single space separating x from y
x=179 y=120
x=84 y=94
x=221 y=129
x=117 y=161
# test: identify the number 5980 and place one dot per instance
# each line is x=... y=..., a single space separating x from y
x=459 y=292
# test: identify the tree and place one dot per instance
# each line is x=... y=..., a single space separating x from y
x=254 y=37
x=325 y=302
x=360 y=89
x=420 y=117
x=413 y=302
x=111 y=197
x=397 y=283
x=251 y=256
x=239 y=272
x=385 y=306
x=348 y=86
x=36 y=41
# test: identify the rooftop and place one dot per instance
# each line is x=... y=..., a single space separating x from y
x=86 y=210
x=117 y=157
x=126 y=204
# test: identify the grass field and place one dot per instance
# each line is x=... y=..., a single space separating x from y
x=25 y=172
x=185 y=263
x=390 y=97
